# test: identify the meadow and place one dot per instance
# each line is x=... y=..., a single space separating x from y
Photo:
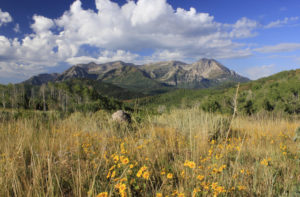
x=183 y=152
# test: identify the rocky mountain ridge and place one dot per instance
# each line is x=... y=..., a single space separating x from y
x=201 y=74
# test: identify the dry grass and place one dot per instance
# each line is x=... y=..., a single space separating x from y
x=88 y=155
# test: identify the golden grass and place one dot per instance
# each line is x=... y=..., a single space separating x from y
x=168 y=155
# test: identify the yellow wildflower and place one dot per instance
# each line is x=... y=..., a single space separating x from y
x=122 y=188
x=189 y=164
x=200 y=177
x=169 y=175
x=241 y=187
x=124 y=160
x=113 y=174
x=146 y=175
x=159 y=195
x=102 y=194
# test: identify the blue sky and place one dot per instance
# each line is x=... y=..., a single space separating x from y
x=255 y=38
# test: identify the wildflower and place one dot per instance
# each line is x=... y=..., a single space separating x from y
x=241 y=187
x=116 y=158
x=200 y=177
x=162 y=173
x=113 y=174
x=214 y=185
x=146 y=175
x=124 y=160
x=169 y=175
x=122 y=188
x=113 y=167
x=159 y=195
x=139 y=173
x=108 y=175
x=182 y=173
x=242 y=171
x=102 y=194
x=181 y=195
x=131 y=166
x=265 y=162
x=204 y=185
x=195 y=191
x=189 y=164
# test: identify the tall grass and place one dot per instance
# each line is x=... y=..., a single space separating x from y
x=181 y=153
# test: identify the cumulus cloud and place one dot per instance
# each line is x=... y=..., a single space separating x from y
x=279 y=23
x=124 y=32
x=41 y=24
x=4 y=17
x=282 y=47
x=257 y=72
x=105 y=56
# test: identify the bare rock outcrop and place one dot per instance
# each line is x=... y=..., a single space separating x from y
x=121 y=116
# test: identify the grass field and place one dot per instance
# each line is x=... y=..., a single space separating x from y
x=185 y=152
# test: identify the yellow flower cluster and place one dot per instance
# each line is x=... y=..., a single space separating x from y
x=265 y=162
x=143 y=171
x=189 y=164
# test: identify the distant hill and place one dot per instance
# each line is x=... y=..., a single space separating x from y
x=151 y=78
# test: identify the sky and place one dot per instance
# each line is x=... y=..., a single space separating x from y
x=255 y=38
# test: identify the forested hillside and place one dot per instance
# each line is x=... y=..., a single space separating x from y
x=67 y=96
x=277 y=93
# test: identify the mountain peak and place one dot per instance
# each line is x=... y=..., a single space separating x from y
x=203 y=73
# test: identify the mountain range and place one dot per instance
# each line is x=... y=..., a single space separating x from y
x=149 y=78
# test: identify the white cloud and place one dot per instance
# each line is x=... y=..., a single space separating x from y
x=282 y=47
x=4 y=17
x=243 y=28
x=17 y=28
x=122 y=32
x=41 y=24
x=279 y=23
x=105 y=56
x=257 y=72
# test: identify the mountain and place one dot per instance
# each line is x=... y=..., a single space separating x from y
x=149 y=79
x=202 y=74
x=75 y=72
x=41 y=79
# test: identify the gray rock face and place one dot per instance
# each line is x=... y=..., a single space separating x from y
x=121 y=116
x=205 y=72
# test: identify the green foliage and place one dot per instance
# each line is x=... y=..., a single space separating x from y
x=67 y=96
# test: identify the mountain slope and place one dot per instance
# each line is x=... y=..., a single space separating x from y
x=41 y=79
x=75 y=72
x=133 y=79
x=278 y=93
